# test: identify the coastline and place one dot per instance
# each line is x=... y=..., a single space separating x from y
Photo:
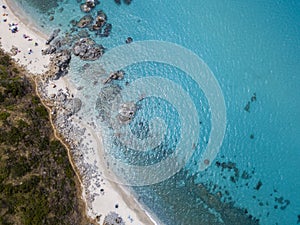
x=38 y=64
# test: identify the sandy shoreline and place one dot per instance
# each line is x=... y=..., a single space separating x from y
x=116 y=198
x=35 y=62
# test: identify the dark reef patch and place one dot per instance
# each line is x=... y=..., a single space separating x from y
x=230 y=170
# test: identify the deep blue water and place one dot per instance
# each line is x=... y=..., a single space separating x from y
x=253 y=50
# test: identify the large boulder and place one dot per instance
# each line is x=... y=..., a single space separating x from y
x=61 y=61
x=87 y=49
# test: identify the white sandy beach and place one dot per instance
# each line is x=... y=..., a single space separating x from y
x=114 y=197
x=35 y=62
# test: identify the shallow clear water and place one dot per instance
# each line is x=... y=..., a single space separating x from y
x=253 y=50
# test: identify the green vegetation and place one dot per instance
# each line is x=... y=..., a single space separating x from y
x=37 y=182
x=4 y=115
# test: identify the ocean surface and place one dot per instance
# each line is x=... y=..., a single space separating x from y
x=233 y=124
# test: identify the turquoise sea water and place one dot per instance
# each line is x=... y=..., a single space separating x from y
x=253 y=50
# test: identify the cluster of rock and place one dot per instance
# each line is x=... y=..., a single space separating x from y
x=78 y=41
x=113 y=219
x=61 y=55
x=109 y=97
x=65 y=103
x=87 y=49
x=97 y=24
x=109 y=100
x=60 y=48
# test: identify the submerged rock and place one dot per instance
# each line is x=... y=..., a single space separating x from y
x=83 y=34
x=108 y=96
x=127 y=2
x=87 y=49
x=129 y=40
x=107 y=30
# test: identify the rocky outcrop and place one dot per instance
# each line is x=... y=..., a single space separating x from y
x=87 y=49
x=127 y=112
x=52 y=36
x=61 y=61
x=100 y=20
